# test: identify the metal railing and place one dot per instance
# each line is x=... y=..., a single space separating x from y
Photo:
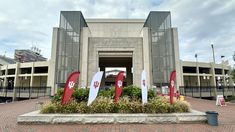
x=25 y=92
x=206 y=91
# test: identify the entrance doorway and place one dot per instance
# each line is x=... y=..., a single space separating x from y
x=111 y=73
x=111 y=66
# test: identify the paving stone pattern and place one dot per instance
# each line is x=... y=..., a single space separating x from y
x=10 y=111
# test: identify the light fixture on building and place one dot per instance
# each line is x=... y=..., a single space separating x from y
x=205 y=77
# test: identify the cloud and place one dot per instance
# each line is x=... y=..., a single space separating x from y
x=200 y=23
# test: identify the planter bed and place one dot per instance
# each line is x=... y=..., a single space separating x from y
x=112 y=118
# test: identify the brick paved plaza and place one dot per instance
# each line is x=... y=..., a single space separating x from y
x=10 y=111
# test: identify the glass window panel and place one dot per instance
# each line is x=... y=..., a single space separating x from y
x=69 y=45
x=162 y=46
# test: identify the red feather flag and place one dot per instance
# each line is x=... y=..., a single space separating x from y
x=70 y=86
x=172 y=86
x=118 y=86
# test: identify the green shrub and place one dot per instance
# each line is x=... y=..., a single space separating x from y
x=157 y=105
x=125 y=105
x=81 y=94
x=180 y=106
x=83 y=108
x=130 y=102
x=102 y=105
x=49 y=108
x=230 y=98
x=132 y=91
x=150 y=94
x=56 y=107
x=70 y=107
x=136 y=107
x=107 y=93
x=58 y=95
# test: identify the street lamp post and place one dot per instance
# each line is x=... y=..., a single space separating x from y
x=223 y=73
x=212 y=46
x=215 y=89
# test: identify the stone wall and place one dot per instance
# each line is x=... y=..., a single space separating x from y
x=130 y=44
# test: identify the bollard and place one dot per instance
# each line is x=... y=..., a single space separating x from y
x=212 y=118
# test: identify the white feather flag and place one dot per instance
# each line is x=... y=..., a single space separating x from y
x=94 y=87
x=144 y=88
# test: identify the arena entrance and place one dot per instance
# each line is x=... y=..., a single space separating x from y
x=111 y=66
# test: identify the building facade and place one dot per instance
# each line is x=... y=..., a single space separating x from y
x=25 y=80
x=90 y=45
x=206 y=80
x=6 y=60
x=39 y=76
x=25 y=55
x=205 y=74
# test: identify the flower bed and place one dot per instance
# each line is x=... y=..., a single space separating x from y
x=130 y=102
x=125 y=105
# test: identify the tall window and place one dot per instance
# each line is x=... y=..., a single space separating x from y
x=71 y=23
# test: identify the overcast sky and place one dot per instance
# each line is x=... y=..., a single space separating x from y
x=27 y=23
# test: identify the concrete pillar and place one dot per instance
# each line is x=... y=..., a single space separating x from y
x=84 y=55
x=198 y=77
x=181 y=74
x=174 y=36
x=31 y=76
x=52 y=73
x=213 y=79
x=146 y=56
x=5 y=83
x=31 y=80
x=137 y=69
x=5 y=77
x=16 y=82
x=224 y=81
